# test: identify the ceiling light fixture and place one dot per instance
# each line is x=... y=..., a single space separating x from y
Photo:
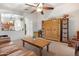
x=40 y=7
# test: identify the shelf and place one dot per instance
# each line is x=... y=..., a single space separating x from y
x=64 y=27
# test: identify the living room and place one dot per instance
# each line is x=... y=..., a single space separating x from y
x=23 y=26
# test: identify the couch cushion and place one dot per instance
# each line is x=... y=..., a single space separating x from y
x=3 y=35
x=4 y=40
x=6 y=44
x=8 y=50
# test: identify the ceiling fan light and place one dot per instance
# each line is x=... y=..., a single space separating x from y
x=39 y=9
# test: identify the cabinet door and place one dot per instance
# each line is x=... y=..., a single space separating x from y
x=48 y=34
x=47 y=24
x=47 y=29
x=56 y=30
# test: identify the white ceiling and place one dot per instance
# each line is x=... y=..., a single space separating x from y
x=18 y=7
x=13 y=7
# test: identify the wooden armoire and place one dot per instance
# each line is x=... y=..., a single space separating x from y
x=56 y=29
x=51 y=29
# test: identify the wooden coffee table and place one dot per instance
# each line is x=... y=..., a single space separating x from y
x=38 y=42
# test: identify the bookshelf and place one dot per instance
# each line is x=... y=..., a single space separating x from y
x=65 y=28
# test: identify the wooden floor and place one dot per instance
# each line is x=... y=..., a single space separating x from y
x=55 y=49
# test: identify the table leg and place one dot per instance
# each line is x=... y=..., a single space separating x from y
x=23 y=43
x=76 y=50
x=40 y=51
x=48 y=47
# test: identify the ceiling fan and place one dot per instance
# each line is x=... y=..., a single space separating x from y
x=40 y=7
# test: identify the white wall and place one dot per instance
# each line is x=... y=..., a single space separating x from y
x=71 y=9
x=74 y=23
x=29 y=27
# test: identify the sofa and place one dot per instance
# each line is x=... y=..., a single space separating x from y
x=74 y=42
x=8 y=48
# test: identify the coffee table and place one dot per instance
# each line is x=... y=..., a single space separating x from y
x=38 y=42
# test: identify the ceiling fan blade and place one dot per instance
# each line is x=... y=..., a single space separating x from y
x=43 y=4
x=33 y=11
x=48 y=8
x=42 y=12
x=38 y=5
x=25 y=9
x=30 y=5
